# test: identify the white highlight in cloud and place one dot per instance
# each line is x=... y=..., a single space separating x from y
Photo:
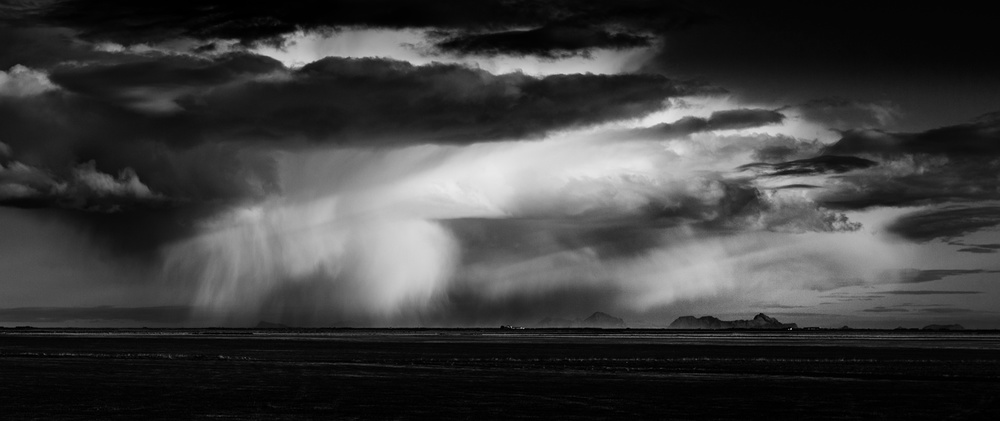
x=303 y=48
x=20 y=81
x=751 y=265
x=173 y=46
x=794 y=125
x=84 y=188
x=86 y=179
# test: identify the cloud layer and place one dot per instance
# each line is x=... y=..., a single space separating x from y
x=260 y=179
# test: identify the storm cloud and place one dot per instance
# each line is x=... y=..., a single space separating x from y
x=843 y=113
x=976 y=138
x=823 y=164
x=928 y=292
x=719 y=120
x=945 y=223
x=492 y=27
x=977 y=248
x=881 y=309
x=175 y=122
x=949 y=164
x=915 y=276
x=449 y=163
x=368 y=101
x=550 y=41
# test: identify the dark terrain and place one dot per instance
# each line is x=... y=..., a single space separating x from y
x=760 y=321
x=494 y=374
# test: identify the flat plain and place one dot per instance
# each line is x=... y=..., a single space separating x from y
x=497 y=374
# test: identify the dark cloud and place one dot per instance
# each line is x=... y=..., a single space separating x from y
x=172 y=139
x=786 y=313
x=776 y=305
x=929 y=292
x=824 y=164
x=743 y=118
x=976 y=248
x=916 y=276
x=338 y=100
x=885 y=310
x=153 y=84
x=900 y=187
x=766 y=25
x=945 y=310
x=161 y=314
x=776 y=153
x=948 y=222
x=177 y=121
x=918 y=305
x=698 y=39
x=775 y=51
x=550 y=41
x=215 y=19
x=577 y=28
x=975 y=139
x=846 y=296
x=796 y=186
x=51 y=135
x=950 y=164
x=844 y=113
x=394 y=100
x=464 y=22
x=780 y=148
x=42 y=47
x=980 y=250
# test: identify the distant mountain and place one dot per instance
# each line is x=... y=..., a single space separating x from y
x=706 y=322
x=760 y=321
x=598 y=319
x=943 y=327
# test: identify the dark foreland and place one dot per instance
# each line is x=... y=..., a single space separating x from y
x=290 y=373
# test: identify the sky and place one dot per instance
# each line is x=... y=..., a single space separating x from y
x=453 y=163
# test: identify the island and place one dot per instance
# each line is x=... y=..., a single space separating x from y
x=760 y=321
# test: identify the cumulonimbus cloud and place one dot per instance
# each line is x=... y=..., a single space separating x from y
x=487 y=222
x=382 y=191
